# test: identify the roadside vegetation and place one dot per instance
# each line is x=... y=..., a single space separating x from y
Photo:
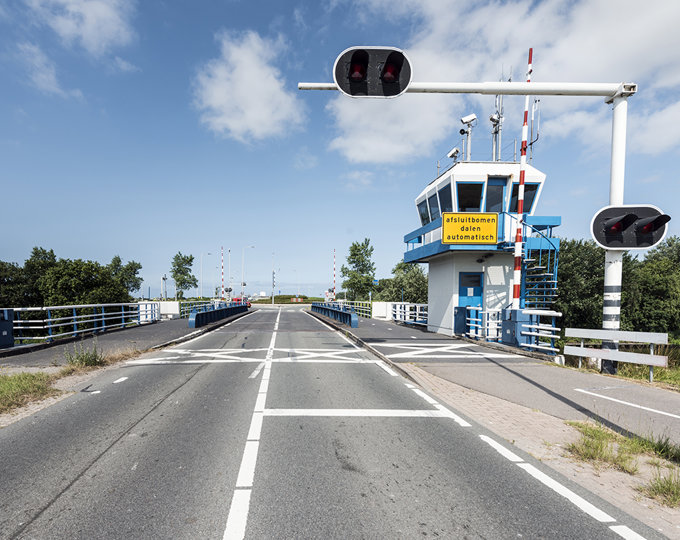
x=19 y=389
x=601 y=446
x=288 y=299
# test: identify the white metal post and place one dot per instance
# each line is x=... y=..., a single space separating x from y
x=613 y=261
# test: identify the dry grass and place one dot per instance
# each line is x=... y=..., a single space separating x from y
x=604 y=447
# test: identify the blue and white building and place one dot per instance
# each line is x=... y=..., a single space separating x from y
x=466 y=276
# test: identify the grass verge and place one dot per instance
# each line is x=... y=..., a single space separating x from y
x=20 y=389
x=602 y=446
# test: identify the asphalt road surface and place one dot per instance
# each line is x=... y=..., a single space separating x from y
x=275 y=426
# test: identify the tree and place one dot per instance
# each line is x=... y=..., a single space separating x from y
x=11 y=285
x=35 y=267
x=181 y=273
x=80 y=282
x=126 y=274
x=361 y=271
x=409 y=282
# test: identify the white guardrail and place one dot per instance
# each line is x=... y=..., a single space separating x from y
x=617 y=336
x=50 y=322
x=483 y=324
x=362 y=309
x=410 y=313
x=539 y=331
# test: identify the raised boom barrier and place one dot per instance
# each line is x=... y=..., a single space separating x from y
x=337 y=312
x=198 y=319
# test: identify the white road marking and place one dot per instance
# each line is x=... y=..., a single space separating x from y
x=238 y=515
x=425 y=396
x=385 y=367
x=502 y=450
x=409 y=385
x=257 y=371
x=96 y=392
x=375 y=413
x=448 y=414
x=627 y=403
x=120 y=380
x=625 y=532
x=575 y=499
x=240 y=502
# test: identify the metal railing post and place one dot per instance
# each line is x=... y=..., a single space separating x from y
x=49 y=326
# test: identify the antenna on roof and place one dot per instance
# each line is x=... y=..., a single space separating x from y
x=534 y=109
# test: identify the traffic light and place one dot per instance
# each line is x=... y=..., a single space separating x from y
x=372 y=72
x=629 y=226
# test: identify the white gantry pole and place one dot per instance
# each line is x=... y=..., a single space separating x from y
x=517 y=274
x=613 y=260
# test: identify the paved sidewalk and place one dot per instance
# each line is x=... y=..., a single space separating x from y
x=138 y=338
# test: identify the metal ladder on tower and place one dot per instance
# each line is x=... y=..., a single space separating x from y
x=539 y=280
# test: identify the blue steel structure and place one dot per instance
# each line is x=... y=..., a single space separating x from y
x=337 y=312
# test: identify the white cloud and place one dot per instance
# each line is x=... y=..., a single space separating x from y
x=581 y=41
x=124 y=66
x=655 y=132
x=304 y=159
x=242 y=93
x=96 y=25
x=359 y=181
x=42 y=72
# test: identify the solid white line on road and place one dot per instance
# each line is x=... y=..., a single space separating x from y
x=425 y=396
x=208 y=333
x=625 y=532
x=246 y=472
x=385 y=367
x=238 y=515
x=257 y=371
x=120 y=380
x=627 y=403
x=448 y=414
x=377 y=413
x=409 y=385
x=240 y=502
x=502 y=450
x=575 y=499
x=96 y=392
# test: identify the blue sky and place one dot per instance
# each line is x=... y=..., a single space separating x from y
x=147 y=128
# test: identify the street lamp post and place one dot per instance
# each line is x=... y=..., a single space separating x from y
x=243 y=269
x=202 y=272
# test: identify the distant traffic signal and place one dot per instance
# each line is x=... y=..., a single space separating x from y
x=629 y=226
x=372 y=72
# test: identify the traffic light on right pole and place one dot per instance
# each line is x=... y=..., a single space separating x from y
x=372 y=72
x=629 y=226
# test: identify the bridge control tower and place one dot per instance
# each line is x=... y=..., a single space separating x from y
x=468 y=218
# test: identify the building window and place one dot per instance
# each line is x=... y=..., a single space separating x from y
x=434 y=207
x=422 y=211
x=529 y=196
x=495 y=194
x=445 y=202
x=469 y=196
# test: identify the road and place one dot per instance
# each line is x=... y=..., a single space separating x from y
x=276 y=426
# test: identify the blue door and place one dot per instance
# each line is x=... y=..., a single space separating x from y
x=470 y=289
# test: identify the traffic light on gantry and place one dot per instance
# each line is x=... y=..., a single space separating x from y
x=629 y=226
x=372 y=72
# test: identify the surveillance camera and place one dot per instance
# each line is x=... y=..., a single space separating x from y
x=453 y=154
x=495 y=118
x=469 y=118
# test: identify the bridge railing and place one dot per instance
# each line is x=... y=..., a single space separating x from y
x=338 y=312
x=410 y=313
x=187 y=308
x=39 y=324
x=363 y=309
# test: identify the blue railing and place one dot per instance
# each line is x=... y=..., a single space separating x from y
x=206 y=316
x=332 y=310
x=53 y=322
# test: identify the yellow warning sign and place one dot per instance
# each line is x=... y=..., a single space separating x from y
x=469 y=228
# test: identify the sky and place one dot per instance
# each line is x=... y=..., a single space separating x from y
x=143 y=129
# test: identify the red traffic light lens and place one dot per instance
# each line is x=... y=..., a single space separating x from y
x=617 y=227
x=357 y=72
x=646 y=229
x=390 y=73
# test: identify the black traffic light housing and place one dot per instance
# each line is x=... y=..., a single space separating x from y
x=372 y=72
x=629 y=226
